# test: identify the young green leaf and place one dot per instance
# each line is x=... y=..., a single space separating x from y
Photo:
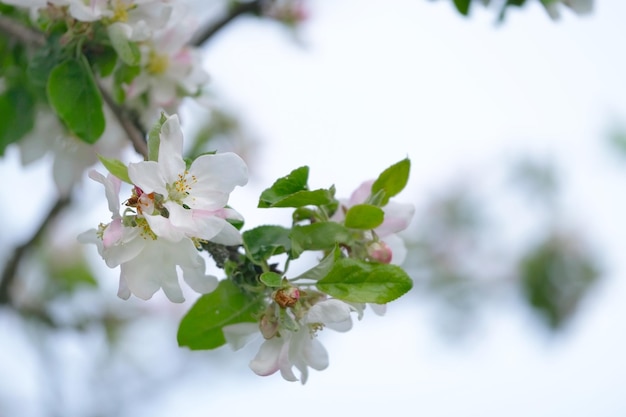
x=271 y=279
x=75 y=97
x=17 y=115
x=322 y=269
x=358 y=281
x=116 y=167
x=127 y=51
x=263 y=242
x=201 y=327
x=364 y=216
x=392 y=180
x=285 y=186
x=318 y=236
x=154 y=138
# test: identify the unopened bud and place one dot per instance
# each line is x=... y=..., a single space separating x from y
x=287 y=297
x=379 y=252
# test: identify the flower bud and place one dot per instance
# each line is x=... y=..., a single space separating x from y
x=287 y=297
x=379 y=252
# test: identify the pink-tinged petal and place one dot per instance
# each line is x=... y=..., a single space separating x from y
x=361 y=194
x=285 y=362
x=316 y=355
x=130 y=245
x=170 y=150
x=397 y=218
x=113 y=233
x=196 y=223
x=219 y=172
x=240 y=334
x=147 y=175
x=397 y=247
x=266 y=360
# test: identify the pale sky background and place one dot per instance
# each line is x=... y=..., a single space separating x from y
x=376 y=81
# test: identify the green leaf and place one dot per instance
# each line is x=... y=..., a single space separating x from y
x=364 y=216
x=263 y=242
x=104 y=61
x=358 y=281
x=319 y=236
x=392 y=180
x=116 y=167
x=126 y=50
x=123 y=75
x=74 y=96
x=17 y=115
x=154 y=138
x=462 y=6
x=271 y=279
x=201 y=327
x=43 y=61
x=322 y=269
x=285 y=186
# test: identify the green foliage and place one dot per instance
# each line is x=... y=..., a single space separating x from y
x=555 y=277
x=154 y=138
x=201 y=327
x=42 y=62
x=126 y=50
x=462 y=6
x=292 y=191
x=392 y=180
x=364 y=216
x=17 y=115
x=358 y=281
x=319 y=236
x=271 y=279
x=116 y=167
x=75 y=97
x=123 y=75
x=263 y=242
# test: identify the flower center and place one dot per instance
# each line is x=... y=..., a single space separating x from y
x=158 y=63
x=181 y=188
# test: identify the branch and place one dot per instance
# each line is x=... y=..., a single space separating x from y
x=20 y=32
x=10 y=268
x=203 y=35
x=134 y=132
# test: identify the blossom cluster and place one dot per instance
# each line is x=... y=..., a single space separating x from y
x=171 y=209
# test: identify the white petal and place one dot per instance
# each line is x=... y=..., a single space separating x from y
x=163 y=228
x=228 y=236
x=362 y=193
x=397 y=218
x=170 y=150
x=199 y=281
x=266 y=360
x=219 y=172
x=147 y=176
x=240 y=334
x=397 y=247
x=329 y=311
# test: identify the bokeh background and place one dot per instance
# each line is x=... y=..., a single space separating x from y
x=516 y=129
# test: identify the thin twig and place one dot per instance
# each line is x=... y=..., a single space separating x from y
x=135 y=134
x=20 y=32
x=206 y=33
x=10 y=268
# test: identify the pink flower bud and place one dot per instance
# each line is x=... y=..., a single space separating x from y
x=379 y=252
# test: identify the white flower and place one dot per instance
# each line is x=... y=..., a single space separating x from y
x=194 y=197
x=397 y=218
x=301 y=348
x=71 y=155
x=147 y=263
x=170 y=66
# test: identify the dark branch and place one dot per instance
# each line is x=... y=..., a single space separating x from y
x=206 y=33
x=10 y=268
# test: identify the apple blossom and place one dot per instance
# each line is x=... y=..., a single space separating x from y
x=390 y=247
x=193 y=198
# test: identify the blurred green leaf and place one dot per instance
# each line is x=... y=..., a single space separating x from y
x=392 y=180
x=75 y=97
x=17 y=115
x=201 y=327
x=364 y=216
